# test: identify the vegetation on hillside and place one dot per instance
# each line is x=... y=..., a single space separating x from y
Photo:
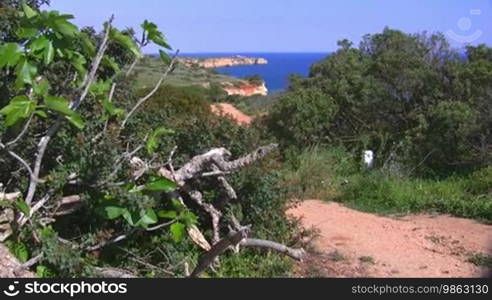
x=103 y=177
x=106 y=155
x=410 y=98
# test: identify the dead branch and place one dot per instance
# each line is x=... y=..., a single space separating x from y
x=209 y=257
x=202 y=163
x=215 y=214
x=9 y=196
x=297 y=254
x=114 y=273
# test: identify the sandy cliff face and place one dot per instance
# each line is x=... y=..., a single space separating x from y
x=218 y=62
x=245 y=89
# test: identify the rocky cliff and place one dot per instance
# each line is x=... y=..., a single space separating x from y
x=218 y=62
x=244 y=88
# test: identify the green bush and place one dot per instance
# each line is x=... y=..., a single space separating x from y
x=404 y=95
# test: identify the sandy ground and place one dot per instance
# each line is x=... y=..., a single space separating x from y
x=226 y=109
x=356 y=244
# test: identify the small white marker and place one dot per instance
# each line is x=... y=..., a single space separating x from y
x=475 y=12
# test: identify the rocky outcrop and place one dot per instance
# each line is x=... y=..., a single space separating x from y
x=218 y=62
x=244 y=88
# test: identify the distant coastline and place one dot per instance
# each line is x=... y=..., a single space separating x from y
x=275 y=74
x=220 y=62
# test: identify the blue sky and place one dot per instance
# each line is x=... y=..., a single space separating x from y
x=286 y=25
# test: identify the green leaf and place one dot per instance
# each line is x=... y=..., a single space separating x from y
x=128 y=217
x=65 y=28
x=114 y=212
x=111 y=110
x=87 y=44
x=19 y=108
x=189 y=218
x=26 y=32
x=49 y=53
x=41 y=88
x=59 y=105
x=23 y=207
x=78 y=61
x=167 y=214
x=154 y=35
x=111 y=63
x=166 y=59
x=41 y=113
x=28 y=11
x=76 y=120
x=148 y=217
x=39 y=43
x=178 y=231
x=153 y=140
x=9 y=55
x=26 y=72
x=161 y=184
x=125 y=41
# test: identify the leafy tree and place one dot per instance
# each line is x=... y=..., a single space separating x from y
x=90 y=159
x=405 y=95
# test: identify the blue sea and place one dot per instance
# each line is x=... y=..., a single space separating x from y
x=276 y=72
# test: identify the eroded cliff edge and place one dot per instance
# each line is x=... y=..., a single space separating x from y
x=219 y=62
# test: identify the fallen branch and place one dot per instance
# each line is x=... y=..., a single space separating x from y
x=202 y=163
x=215 y=214
x=297 y=254
x=114 y=273
x=9 y=196
x=209 y=257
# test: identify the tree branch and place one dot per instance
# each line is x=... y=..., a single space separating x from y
x=43 y=143
x=145 y=98
x=209 y=257
x=201 y=164
x=297 y=254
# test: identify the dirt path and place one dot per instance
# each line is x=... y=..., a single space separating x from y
x=356 y=244
x=229 y=110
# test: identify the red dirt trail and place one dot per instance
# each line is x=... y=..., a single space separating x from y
x=357 y=244
x=226 y=109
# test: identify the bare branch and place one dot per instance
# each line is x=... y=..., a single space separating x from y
x=201 y=164
x=215 y=214
x=297 y=254
x=145 y=98
x=21 y=134
x=114 y=273
x=9 y=196
x=112 y=241
x=132 y=66
x=22 y=161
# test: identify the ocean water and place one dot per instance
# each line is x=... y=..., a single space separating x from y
x=276 y=72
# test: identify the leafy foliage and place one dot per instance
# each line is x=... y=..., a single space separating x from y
x=402 y=95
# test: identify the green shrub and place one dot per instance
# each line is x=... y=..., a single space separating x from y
x=406 y=95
